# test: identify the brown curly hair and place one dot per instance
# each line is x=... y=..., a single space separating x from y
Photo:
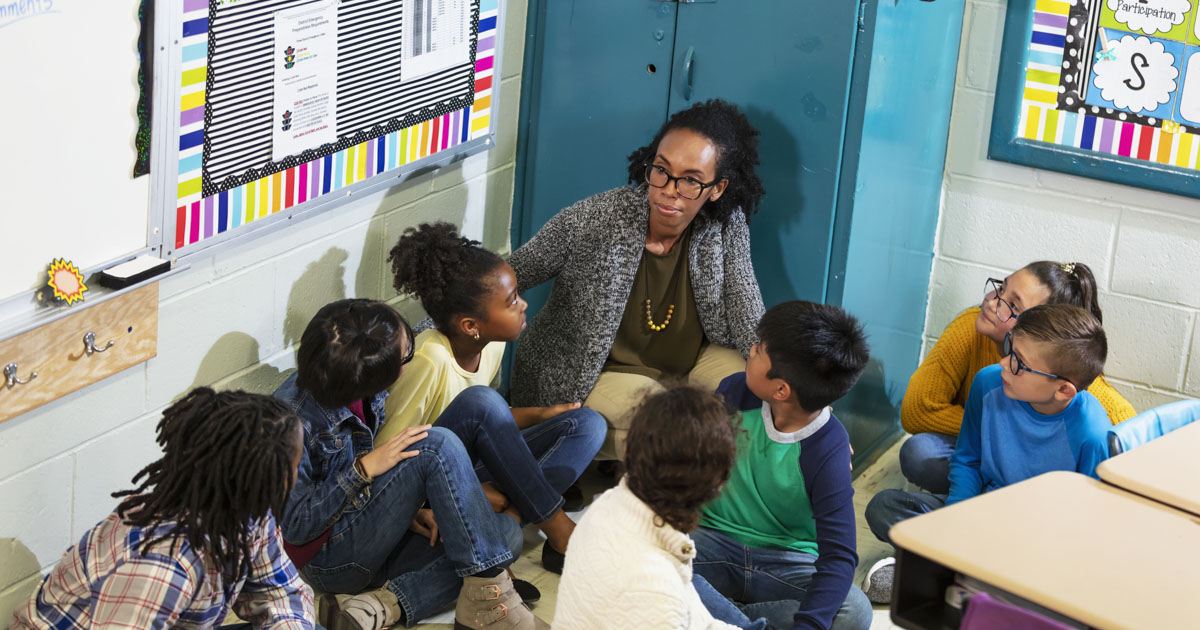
x=679 y=452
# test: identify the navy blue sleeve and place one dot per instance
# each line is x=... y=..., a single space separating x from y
x=737 y=396
x=825 y=464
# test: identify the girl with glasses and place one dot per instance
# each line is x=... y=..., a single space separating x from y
x=933 y=404
x=652 y=280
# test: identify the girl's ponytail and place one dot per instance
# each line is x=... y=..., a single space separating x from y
x=444 y=270
x=1069 y=283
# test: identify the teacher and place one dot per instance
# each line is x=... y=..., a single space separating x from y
x=652 y=281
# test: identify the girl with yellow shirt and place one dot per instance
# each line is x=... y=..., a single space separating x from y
x=471 y=295
x=933 y=404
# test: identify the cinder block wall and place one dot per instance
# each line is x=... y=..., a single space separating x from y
x=996 y=217
x=231 y=321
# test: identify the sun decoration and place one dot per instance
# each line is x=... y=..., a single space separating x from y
x=66 y=281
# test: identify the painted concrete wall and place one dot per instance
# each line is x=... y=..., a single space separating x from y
x=231 y=321
x=1144 y=247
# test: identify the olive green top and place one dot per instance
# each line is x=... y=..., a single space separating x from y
x=671 y=351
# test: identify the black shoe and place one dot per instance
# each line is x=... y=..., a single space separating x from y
x=573 y=499
x=528 y=592
x=552 y=560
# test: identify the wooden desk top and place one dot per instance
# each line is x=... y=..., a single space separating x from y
x=1087 y=550
x=1166 y=469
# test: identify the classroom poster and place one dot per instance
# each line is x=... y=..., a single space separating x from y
x=1116 y=76
x=437 y=36
x=305 y=79
x=234 y=166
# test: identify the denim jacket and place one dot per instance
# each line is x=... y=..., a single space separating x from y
x=326 y=482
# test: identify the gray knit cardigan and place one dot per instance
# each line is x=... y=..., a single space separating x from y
x=592 y=250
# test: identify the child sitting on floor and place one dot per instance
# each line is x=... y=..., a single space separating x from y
x=197 y=537
x=356 y=520
x=1028 y=415
x=471 y=295
x=932 y=409
x=783 y=527
x=630 y=564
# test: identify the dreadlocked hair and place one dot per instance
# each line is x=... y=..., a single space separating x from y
x=227 y=461
x=737 y=155
x=447 y=272
x=351 y=350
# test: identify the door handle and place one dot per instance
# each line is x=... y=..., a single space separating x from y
x=689 y=61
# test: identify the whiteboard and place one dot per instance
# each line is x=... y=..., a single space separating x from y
x=68 y=120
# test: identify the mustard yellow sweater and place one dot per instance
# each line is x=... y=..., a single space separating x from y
x=938 y=389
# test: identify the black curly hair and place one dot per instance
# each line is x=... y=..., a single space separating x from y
x=679 y=452
x=227 y=461
x=447 y=272
x=737 y=155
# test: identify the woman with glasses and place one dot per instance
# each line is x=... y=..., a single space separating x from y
x=933 y=404
x=652 y=280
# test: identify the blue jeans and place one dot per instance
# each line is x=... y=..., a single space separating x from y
x=925 y=460
x=532 y=467
x=765 y=578
x=724 y=610
x=371 y=546
x=889 y=507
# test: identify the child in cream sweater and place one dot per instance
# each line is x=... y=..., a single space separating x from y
x=630 y=560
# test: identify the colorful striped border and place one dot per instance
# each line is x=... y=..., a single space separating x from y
x=1042 y=120
x=198 y=218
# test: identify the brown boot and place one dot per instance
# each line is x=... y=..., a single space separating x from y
x=493 y=604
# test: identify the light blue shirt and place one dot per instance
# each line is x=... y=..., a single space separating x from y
x=1004 y=441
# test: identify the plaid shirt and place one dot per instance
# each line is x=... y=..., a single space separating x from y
x=106 y=582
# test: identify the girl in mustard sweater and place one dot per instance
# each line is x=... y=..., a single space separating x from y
x=933 y=404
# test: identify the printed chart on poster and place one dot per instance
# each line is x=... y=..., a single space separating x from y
x=1118 y=77
x=284 y=102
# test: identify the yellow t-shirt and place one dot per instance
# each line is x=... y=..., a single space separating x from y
x=938 y=389
x=431 y=381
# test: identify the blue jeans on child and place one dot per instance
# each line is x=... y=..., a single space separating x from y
x=889 y=507
x=371 y=546
x=724 y=610
x=532 y=467
x=763 y=579
x=925 y=460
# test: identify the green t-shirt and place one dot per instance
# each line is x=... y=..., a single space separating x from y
x=765 y=502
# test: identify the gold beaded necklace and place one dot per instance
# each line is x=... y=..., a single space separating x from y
x=670 y=291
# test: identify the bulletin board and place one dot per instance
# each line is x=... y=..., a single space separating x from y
x=286 y=107
x=1103 y=88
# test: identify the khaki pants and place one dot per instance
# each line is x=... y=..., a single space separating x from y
x=616 y=394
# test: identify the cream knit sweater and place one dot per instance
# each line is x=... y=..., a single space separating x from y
x=624 y=572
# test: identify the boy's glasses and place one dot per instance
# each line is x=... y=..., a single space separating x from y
x=688 y=187
x=1017 y=364
x=1004 y=309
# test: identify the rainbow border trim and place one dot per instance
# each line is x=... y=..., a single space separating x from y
x=1042 y=120
x=198 y=218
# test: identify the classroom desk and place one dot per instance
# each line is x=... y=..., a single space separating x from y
x=1084 y=549
x=1165 y=469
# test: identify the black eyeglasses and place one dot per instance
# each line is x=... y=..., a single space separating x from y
x=412 y=343
x=1004 y=309
x=688 y=187
x=1017 y=364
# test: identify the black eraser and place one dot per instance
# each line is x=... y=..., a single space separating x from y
x=134 y=271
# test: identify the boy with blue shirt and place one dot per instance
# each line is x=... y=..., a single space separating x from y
x=783 y=527
x=1027 y=415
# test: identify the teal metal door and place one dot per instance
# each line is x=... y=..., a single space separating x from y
x=787 y=64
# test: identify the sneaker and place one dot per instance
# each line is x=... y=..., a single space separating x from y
x=878 y=583
x=493 y=604
x=371 y=610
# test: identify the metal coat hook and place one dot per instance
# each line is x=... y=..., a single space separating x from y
x=10 y=376
x=89 y=344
